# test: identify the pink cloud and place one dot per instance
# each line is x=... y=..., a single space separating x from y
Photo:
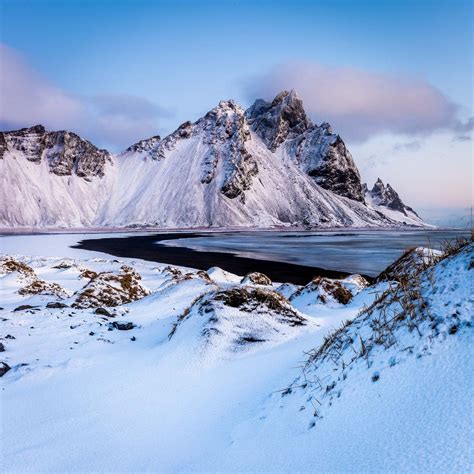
x=27 y=98
x=358 y=103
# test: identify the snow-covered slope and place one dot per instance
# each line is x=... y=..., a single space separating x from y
x=268 y=166
x=170 y=369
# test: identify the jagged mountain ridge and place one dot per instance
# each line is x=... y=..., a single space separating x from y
x=267 y=166
x=386 y=199
x=316 y=150
x=65 y=152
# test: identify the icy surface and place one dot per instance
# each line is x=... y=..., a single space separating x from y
x=366 y=252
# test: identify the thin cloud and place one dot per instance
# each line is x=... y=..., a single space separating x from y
x=27 y=98
x=115 y=120
x=360 y=104
x=413 y=145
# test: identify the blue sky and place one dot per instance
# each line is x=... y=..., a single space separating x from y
x=136 y=67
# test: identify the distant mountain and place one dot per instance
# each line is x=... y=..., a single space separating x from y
x=386 y=200
x=267 y=166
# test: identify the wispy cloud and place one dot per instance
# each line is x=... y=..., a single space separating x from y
x=361 y=104
x=115 y=120
x=27 y=98
x=413 y=145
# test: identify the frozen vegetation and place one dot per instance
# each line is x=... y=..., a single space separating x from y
x=123 y=365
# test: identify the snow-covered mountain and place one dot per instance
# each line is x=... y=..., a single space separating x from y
x=386 y=200
x=267 y=166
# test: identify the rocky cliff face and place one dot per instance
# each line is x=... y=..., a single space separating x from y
x=324 y=156
x=277 y=121
x=317 y=150
x=225 y=131
x=65 y=152
x=386 y=196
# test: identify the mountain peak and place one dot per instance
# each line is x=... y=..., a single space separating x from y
x=228 y=104
x=35 y=129
x=288 y=97
x=326 y=126
x=278 y=120
x=385 y=195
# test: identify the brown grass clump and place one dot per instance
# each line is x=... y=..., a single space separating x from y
x=110 y=289
x=257 y=279
x=10 y=265
x=41 y=287
x=412 y=262
x=403 y=312
x=89 y=274
x=34 y=286
x=326 y=289
x=256 y=300
x=451 y=247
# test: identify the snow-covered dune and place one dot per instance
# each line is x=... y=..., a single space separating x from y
x=112 y=365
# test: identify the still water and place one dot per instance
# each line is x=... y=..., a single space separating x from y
x=367 y=252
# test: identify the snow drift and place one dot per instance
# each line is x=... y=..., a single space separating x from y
x=368 y=378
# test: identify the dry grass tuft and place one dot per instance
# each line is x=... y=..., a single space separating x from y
x=110 y=289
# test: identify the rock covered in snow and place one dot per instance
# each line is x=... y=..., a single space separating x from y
x=327 y=290
x=218 y=275
x=145 y=146
x=324 y=156
x=111 y=289
x=226 y=132
x=65 y=152
x=288 y=289
x=384 y=198
x=256 y=278
x=317 y=150
x=283 y=118
x=238 y=319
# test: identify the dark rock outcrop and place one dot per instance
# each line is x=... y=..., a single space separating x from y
x=283 y=118
x=225 y=130
x=65 y=152
x=324 y=156
x=317 y=150
x=123 y=325
x=56 y=305
x=4 y=368
x=386 y=196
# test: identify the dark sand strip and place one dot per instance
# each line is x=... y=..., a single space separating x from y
x=147 y=248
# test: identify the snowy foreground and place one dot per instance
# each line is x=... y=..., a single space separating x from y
x=130 y=366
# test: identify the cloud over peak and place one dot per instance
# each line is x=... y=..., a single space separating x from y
x=360 y=103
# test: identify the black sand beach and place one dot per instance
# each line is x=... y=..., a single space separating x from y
x=147 y=248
